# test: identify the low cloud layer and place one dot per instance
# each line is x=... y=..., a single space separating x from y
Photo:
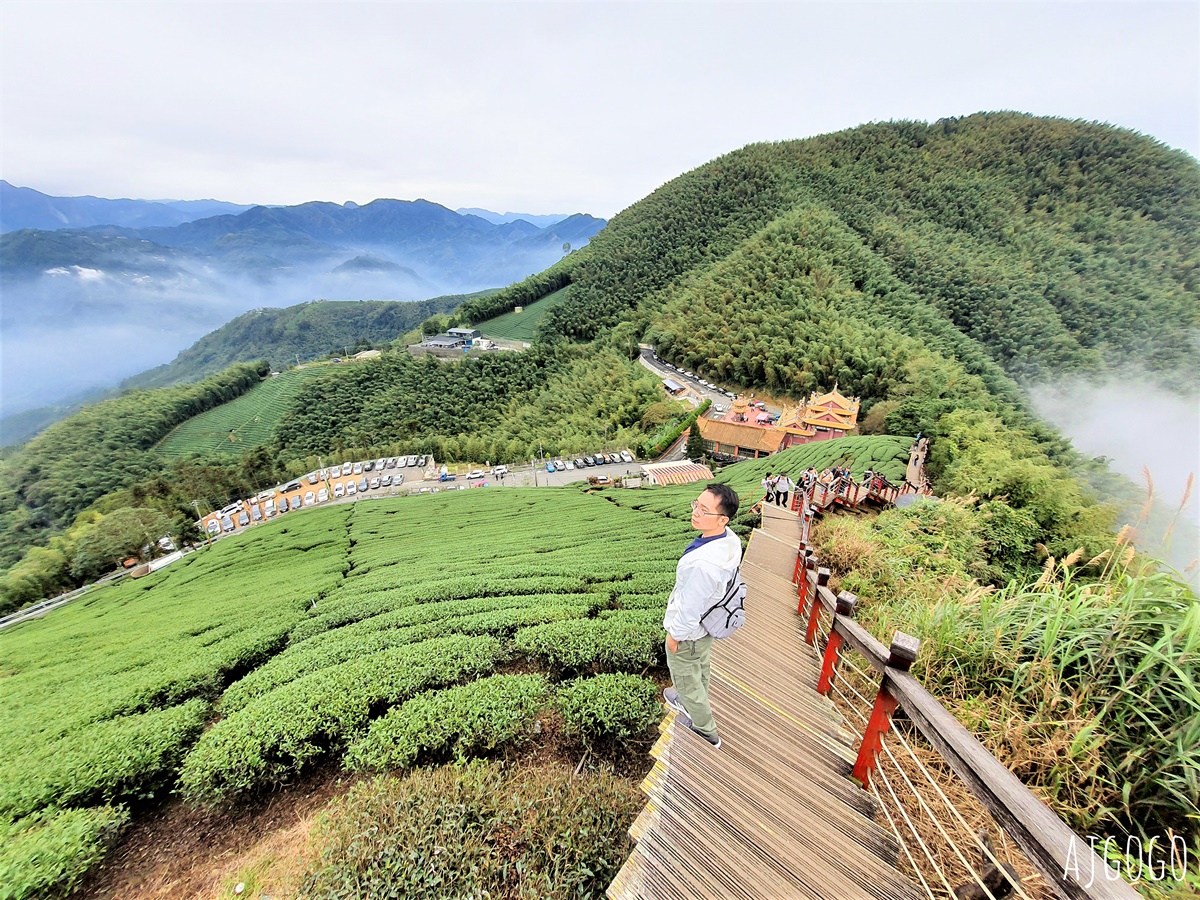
x=1137 y=426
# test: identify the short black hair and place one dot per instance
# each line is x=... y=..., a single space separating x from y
x=727 y=498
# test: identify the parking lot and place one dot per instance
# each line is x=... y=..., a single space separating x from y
x=354 y=481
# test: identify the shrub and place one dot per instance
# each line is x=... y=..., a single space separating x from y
x=463 y=720
x=46 y=854
x=608 y=707
x=475 y=831
x=626 y=641
x=276 y=734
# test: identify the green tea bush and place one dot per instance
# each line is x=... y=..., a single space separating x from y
x=478 y=830
x=627 y=642
x=273 y=737
x=131 y=755
x=608 y=707
x=45 y=855
x=463 y=720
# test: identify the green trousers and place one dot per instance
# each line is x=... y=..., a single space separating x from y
x=689 y=671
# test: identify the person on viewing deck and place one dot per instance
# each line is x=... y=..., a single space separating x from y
x=701 y=577
x=768 y=485
x=783 y=486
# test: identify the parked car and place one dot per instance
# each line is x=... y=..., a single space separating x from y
x=310 y=498
x=368 y=466
x=550 y=466
x=579 y=463
x=569 y=464
x=358 y=469
x=322 y=495
x=412 y=461
x=393 y=462
x=226 y=524
x=588 y=461
x=269 y=507
x=362 y=485
x=243 y=519
x=398 y=479
x=375 y=482
x=477 y=473
x=421 y=461
x=339 y=490
x=627 y=456
x=295 y=502
x=214 y=527
x=499 y=471
x=312 y=477
x=256 y=513
x=351 y=488
x=385 y=481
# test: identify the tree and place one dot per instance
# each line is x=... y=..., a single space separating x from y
x=123 y=533
x=695 y=443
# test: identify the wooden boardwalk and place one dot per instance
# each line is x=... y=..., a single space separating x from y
x=773 y=812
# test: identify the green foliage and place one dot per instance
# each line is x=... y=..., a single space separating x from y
x=659 y=447
x=46 y=855
x=977 y=456
x=276 y=735
x=624 y=642
x=983 y=240
x=128 y=756
x=247 y=421
x=464 y=721
x=101 y=545
x=524 y=293
x=305 y=331
x=522 y=326
x=474 y=831
x=609 y=707
x=96 y=451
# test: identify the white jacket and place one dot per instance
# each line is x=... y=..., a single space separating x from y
x=700 y=579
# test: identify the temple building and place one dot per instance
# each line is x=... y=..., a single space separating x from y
x=749 y=431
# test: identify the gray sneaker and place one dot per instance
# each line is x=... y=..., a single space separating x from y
x=672 y=697
x=683 y=719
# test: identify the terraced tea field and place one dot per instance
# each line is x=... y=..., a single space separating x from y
x=242 y=423
x=378 y=635
x=514 y=326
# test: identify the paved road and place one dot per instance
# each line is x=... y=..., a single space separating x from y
x=695 y=392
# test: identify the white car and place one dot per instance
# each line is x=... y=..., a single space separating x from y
x=475 y=473
x=310 y=497
x=351 y=488
x=335 y=472
x=339 y=490
x=358 y=468
x=322 y=495
x=627 y=456
x=569 y=464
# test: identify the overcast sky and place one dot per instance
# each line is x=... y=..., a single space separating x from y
x=537 y=107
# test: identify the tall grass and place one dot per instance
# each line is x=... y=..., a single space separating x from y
x=1084 y=680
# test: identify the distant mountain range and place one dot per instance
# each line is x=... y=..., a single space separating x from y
x=118 y=298
x=22 y=207
x=506 y=217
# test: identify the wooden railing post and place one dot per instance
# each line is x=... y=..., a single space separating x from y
x=845 y=607
x=801 y=552
x=804 y=588
x=814 y=608
x=902 y=655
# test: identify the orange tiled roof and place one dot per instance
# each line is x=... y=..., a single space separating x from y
x=749 y=437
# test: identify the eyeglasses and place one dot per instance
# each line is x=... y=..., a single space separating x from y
x=696 y=507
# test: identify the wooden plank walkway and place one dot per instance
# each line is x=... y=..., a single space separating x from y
x=773 y=812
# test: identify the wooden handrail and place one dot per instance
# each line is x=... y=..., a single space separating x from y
x=1069 y=865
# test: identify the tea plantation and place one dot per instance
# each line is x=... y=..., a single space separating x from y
x=380 y=634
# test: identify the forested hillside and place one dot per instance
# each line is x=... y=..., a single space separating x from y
x=998 y=239
x=305 y=331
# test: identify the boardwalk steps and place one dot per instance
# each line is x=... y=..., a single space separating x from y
x=772 y=813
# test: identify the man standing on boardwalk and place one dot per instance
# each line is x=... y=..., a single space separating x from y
x=701 y=577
